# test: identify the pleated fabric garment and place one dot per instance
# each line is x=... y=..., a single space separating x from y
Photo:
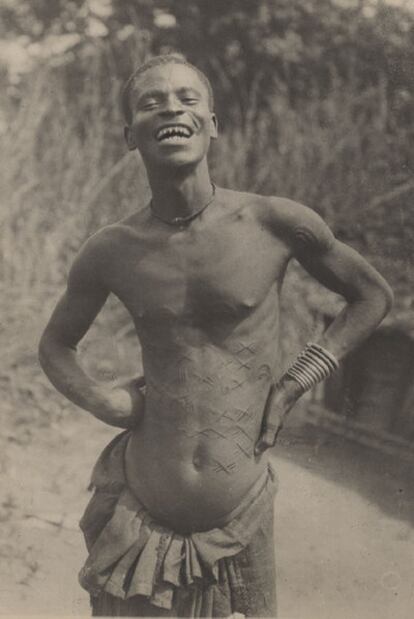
x=137 y=567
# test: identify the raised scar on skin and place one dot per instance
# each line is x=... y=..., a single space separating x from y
x=228 y=468
x=209 y=381
x=243 y=449
x=246 y=348
x=241 y=430
x=243 y=413
x=235 y=414
x=225 y=415
x=237 y=384
x=212 y=430
x=243 y=364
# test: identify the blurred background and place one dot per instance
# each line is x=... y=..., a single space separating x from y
x=315 y=102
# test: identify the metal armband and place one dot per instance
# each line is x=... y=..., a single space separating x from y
x=313 y=365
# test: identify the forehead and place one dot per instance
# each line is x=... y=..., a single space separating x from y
x=167 y=77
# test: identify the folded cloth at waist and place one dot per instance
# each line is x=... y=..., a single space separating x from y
x=131 y=554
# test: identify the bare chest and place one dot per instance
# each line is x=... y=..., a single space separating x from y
x=217 y=275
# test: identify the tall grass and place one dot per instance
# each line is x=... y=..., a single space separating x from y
x=66 y=173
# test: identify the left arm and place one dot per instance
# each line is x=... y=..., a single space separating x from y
x=369 y=298
x=341 y=269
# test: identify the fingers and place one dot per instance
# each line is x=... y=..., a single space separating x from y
x=267 y=439
x=140 y=382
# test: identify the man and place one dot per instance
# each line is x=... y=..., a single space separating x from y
x=181 y=520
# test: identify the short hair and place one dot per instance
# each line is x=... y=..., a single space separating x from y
x=157 y=61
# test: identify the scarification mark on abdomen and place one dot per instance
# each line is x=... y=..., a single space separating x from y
x=236 y=384
x=243 y=365
x=236 y=414
x=208 y=380
x=246 y=348
x=226 y=468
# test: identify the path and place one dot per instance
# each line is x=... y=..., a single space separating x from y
x=344 y=548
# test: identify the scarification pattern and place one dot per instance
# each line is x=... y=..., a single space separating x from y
x=306 y=240
x=192 y=399
x=248 y=349
x=225 y=468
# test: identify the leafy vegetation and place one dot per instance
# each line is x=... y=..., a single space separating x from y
x=315 y=100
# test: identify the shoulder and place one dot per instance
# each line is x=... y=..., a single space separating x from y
x=94 y=248
x=110 y=239
x=93 y=256
x=240 y=204
x=298 y=225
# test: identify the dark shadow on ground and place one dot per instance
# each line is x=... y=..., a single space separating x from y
x=383 y=480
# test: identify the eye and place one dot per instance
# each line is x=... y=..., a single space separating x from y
x=149 y=105
x=189 y=100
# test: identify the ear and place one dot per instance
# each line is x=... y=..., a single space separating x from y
x=130 y=138
x=213 y=126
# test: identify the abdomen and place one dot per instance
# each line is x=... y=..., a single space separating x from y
x=192 y=459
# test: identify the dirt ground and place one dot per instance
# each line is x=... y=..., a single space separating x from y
x=344 y=516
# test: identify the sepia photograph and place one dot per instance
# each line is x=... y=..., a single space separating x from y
x=207 y=308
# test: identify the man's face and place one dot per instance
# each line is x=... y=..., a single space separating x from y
x=171 y=120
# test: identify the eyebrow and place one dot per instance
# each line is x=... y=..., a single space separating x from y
x=187 y=89
x=151 y=94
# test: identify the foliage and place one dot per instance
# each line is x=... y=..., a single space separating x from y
x=315 y=100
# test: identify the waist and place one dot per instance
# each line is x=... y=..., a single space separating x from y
x=190 y=482
x=191 y=460
x=170 y=559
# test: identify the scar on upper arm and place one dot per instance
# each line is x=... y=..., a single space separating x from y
x=310 y=241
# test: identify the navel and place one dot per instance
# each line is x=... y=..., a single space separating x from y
x=197 y=462
x=198 y=459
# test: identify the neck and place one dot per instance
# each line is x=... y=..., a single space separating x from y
x=181 y=192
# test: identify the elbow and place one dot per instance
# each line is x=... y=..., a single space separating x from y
x=375 y=301
x=44 y=352
x=50 y=351
x=389 y=298
x=383 y=298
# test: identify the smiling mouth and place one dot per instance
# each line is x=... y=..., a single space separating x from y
x=174 y=134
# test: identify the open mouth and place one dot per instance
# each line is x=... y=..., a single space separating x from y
x=174 y=134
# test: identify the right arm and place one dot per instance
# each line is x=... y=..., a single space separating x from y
x=86 y=293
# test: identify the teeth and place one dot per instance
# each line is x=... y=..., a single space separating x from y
x=172 y=132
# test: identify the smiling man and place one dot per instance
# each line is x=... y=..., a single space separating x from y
x=181 y=520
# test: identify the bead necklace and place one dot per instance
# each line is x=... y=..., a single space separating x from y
x=178 y=221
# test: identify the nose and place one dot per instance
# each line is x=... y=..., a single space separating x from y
x=172 y=107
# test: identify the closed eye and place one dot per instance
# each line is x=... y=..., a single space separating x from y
x=149 y=105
